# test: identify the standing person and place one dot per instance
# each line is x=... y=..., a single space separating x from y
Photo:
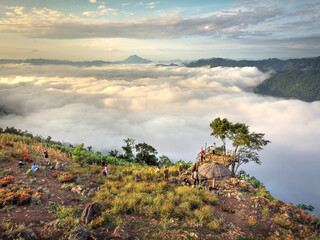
x=46 y=155
x=214 y=148
x=103 y=163
x=106 y=171
x=166 y=173
x=180 y=168
x=203 y=155
x=196 y=177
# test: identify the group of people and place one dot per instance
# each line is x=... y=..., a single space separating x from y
x=34 y=166
x=203 y=154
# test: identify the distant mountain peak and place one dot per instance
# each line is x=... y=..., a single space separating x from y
x=136 y=59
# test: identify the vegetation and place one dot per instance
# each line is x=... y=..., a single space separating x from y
x=246 y=144
x=293 y=78
x=149 y=209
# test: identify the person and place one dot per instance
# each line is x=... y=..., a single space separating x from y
x=46 y=155
x=180 y=168
x=106 y=171
x=212 y=187
x=103 y=163
x=203 y=155
x=214 y=148
x=34 y=167
x=186 y=182
x=166 y=173
x=137 y=178
x=158 y=170
x=21 y=164
x=196 y=177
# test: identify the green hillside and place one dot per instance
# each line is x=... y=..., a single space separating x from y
x=293 y=78
x=70 y=199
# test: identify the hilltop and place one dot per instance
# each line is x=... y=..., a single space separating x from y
x=51 y=203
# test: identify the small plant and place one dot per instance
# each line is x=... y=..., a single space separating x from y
x=265 y=212
x=66 y=177
x=284 y=222
x=252 y=221
x=6 y=180
x=55 y=174
x=119 y=222
x=228 y=209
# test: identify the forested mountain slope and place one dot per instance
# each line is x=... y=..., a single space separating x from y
x=293 y=78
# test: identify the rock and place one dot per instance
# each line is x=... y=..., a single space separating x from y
x=91 y=212
x=240 y=197
x=121 y=232
x=59 y=167
x=64 y=202
x=77 y=189
x=82 y=233
x=194 y=235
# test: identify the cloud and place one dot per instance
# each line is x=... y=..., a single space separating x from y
x=93 y=1
x=169 y=108
x=46 y=23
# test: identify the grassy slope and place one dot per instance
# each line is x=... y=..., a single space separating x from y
x=150 y=209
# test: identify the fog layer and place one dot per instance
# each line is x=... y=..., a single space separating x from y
x=170 y=108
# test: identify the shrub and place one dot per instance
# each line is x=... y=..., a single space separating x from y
x=252 y=222
x=214 y=225
x=265 y=211
x=23 y=195
x=55 y=174
x=284 y=222
x=6 y=180
x=66 y=177
x=24 y=155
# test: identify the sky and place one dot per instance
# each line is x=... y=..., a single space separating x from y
x=159 y=30
x=169 y=108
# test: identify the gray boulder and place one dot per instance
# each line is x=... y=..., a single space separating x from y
x=91 y=212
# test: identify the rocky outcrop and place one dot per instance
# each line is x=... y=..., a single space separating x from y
x=121 y=232
x=82 y=233
x=91 y=212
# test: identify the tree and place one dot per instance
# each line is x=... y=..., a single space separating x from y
x=221 y=129
x=246 y=145
x=113 y=153
x=165 y=161
x=78 y=155
x=128 y=149
x=146 y=154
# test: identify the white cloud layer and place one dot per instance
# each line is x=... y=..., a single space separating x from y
x=169 y=108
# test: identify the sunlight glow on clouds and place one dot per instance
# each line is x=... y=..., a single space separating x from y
x=167 y=107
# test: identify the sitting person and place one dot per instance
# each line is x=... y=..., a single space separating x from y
x=186 y=182
x=21 y=164
x=34 y=167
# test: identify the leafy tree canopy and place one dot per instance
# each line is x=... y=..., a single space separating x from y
x=246 y=144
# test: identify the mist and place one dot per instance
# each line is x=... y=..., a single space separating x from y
x=170 y=108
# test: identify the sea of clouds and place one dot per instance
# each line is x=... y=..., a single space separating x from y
x=169 y=108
